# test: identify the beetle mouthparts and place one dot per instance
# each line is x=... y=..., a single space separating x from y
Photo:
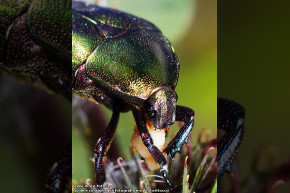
x=166 y=128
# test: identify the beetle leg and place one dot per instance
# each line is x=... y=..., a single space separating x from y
x=103 y=145
x=148 y=142
x=59 y=176
x=185 y=115
x=230 y=119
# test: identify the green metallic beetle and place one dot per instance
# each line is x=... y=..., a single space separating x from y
x=119 y=60
x=35 y=43
x=125 y=63
x=35 y=47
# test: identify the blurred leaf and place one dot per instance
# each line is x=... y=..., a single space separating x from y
x=174 y=27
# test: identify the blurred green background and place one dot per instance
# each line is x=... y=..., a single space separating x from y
x=191 y=26
x=35 y=129
x=253 y=70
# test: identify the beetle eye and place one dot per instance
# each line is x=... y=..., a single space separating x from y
x=152 y=113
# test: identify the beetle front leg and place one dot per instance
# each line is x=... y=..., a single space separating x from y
x=148 y=142
x=230 y=119
x=103 y=145
x=185 y=115
x=59 y=176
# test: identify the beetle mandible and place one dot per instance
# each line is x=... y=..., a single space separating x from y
x=126 y=63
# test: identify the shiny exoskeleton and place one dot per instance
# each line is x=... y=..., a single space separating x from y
x=35 y=43
x=125 y=63
x=35 y=47
x=231 y=118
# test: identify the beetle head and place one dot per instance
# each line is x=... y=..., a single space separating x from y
x=161 y=107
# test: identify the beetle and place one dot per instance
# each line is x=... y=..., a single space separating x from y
x=127 y=64
x=35 y=48
x=30 y=54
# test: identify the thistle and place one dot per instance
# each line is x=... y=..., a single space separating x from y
x=193 y=170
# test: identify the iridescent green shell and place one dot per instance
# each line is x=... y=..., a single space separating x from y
x=45 y=20
x=122 y=53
